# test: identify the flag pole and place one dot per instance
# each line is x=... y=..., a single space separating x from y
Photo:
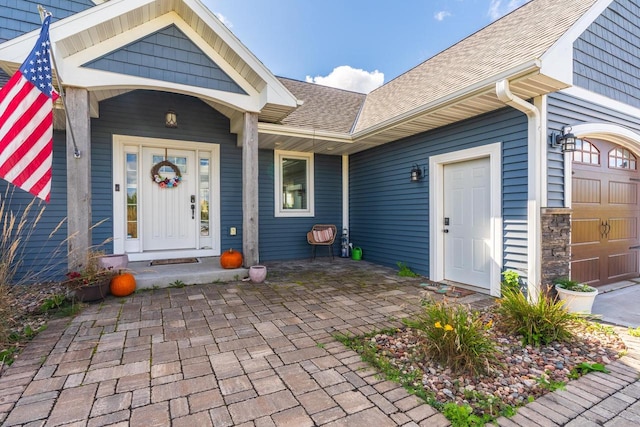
x=76 y=152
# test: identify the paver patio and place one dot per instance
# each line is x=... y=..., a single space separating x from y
x=256 y=355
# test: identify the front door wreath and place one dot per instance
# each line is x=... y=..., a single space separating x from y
x=162 y=181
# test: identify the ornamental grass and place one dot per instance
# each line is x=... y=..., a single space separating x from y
x=538 y=323
x=455 y=337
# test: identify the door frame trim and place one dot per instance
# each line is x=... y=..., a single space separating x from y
x=119 y=210
x=436 y=209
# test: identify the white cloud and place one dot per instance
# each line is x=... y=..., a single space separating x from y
x=224 y=20
x=499 y=8
x=348 y=78
x=439 y=16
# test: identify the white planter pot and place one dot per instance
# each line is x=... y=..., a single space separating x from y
x=257 y=273
x=577 y=302
x=115 y=261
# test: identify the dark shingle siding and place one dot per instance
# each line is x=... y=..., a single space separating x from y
x=21 y=16
x=167 y=55
x=606 y=58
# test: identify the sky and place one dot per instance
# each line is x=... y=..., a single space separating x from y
x=353 y=44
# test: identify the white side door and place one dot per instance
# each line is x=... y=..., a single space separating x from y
x=467 y=210
x=169 y=221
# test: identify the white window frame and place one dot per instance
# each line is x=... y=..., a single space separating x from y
x=278 y=156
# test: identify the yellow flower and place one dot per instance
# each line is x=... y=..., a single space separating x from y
x=489 y=323
x=448 y=327
x=438 y=325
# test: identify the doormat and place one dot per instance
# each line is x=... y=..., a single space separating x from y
x=174 y=261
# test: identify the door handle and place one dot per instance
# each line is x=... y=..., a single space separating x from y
x=193 y=211
x=603 y=229
x=445 y=230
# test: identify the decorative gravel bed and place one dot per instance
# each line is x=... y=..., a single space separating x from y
x=525 y=372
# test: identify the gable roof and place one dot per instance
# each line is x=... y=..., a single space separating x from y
x=323 y=107
x=112 y=25
x=530 y=47
x=521 y=37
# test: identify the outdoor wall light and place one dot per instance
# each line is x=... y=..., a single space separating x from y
x=565 y=139
x=171 y=119
x=417 y=173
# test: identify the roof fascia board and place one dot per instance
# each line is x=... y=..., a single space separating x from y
x=482 y=87
x=557 y=61
x=288 y=131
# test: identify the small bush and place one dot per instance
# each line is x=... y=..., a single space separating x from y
x=455 y=337
x=510 y=281
x=538 y=323
x=405 y=271
x=572 y=285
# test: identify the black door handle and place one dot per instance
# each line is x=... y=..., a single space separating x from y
x=193 y=211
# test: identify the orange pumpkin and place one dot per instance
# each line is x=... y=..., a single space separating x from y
x=231 y=259
x=123 y=284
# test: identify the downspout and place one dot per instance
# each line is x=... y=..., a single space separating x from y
x=534 y=196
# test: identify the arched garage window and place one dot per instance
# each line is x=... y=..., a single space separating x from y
x=586 y=152
x=621 y=158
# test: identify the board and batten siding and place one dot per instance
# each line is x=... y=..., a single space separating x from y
x=563 y=110
x=21 y=16
x=283 y=238
x=141 y=113
x=389 y=215
x=606 y=57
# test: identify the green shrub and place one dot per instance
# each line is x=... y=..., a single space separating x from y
x=572 y=285
x=455 y=337
x=463 y=416
x=510 y=281
x=538 y=322
x=405 y=271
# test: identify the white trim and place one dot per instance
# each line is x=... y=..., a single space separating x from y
x=596 y=98
x=278 y=155
x=557 y=61
x=541 y=104
x=436 y=209
x=119 y=210
x=345 y=192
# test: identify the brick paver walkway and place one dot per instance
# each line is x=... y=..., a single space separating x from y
x=256 y=355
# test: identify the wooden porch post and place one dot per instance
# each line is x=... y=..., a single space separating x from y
x=250 y=226
x=78 y=177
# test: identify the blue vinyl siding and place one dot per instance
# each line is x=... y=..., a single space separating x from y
x=606 y=57
x=170 y=56
x=566 y=110
x=284 y=238
x=21 y=16
x=141 y=113
x=43 y=255
x=389 y=215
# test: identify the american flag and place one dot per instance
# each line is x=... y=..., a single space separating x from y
x=26 y=121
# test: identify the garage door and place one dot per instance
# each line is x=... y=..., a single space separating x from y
x=604 y=226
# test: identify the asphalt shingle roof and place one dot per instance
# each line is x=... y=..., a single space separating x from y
x=324 y=107
x=521 y=36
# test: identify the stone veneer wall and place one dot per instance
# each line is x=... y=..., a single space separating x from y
x=556 y=244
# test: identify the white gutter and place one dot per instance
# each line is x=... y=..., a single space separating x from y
x=535 y=154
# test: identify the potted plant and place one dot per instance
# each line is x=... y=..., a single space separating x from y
x=90 y=282
x=577 y=297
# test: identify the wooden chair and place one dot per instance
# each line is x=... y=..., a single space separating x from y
x=321 y=235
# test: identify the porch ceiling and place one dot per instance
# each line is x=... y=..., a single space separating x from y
x=466 y=106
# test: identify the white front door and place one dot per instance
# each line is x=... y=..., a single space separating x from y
x=170 y=213
x=467 y=222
